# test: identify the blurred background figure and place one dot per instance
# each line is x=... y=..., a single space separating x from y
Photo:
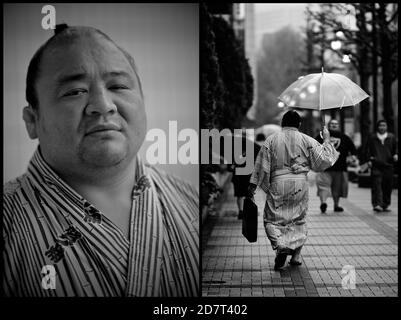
x=334 y=180
x=382 y=154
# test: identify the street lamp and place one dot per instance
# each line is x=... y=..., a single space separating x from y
x=346 y=58
x=340 y=35
x=336 y=45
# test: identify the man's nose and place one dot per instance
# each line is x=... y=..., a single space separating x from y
x=100 y=102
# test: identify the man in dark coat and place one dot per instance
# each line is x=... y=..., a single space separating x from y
x=382 y=154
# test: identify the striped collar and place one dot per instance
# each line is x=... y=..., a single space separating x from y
x=51 y=179
x=290 y=128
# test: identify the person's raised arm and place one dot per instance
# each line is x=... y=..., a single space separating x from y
x=322 y=156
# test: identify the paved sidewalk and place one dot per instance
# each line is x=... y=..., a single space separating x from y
x=358 y=237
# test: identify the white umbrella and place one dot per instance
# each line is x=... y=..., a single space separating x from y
x=321 y=91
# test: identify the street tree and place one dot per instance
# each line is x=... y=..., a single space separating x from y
x=235 y=73
x=375 y=38
x=211 y=84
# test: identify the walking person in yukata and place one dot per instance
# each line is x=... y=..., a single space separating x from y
x=281 y=172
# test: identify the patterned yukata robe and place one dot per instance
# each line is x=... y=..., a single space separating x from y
x=52 y=232
x=281 y=171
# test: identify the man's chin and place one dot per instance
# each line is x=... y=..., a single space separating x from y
x=104 y=156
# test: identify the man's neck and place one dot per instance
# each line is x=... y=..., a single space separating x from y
x=110 y=185
x=381 y=135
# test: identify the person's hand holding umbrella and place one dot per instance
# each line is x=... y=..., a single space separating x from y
x=325 y=134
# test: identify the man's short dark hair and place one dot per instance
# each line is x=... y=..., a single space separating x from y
x=260 y=137
x=291 y=119
x=379 y=122
x=62 y=32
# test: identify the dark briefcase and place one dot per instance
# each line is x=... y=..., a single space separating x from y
x=250 y=220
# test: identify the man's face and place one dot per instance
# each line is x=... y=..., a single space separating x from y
x=382 y=127
x=334 y=125
x=91 y=112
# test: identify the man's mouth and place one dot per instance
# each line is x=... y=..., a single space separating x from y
x=103 y=128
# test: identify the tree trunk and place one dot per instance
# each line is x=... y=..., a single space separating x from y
x=308 y=123
x=364 y=76
x=386 y=66
x=365 y=106
x=374 y=64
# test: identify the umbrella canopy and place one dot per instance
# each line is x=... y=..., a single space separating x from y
x=321 y=91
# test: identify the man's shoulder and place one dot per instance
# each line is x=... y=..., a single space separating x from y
x=179 y=198
x=347 y=138
x=170 y=182
x=390 y=135
x=11 y=187
x=13 y=200
x=307 y=138
x=271 y=139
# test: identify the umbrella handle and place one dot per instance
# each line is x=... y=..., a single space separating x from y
x=323 y=123
x=321 y=97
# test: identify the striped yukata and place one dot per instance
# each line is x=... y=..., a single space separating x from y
x=47 y=223
x=281 y=169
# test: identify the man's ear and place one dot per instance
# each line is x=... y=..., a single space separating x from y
x=30 y=116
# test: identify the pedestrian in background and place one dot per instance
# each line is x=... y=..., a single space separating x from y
x=281 y=172
x=334 y=180
x=381 y=155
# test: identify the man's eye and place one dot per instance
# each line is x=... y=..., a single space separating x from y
x=118 y=87
x=74 y=92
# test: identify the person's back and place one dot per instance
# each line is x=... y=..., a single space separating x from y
x=290 y=151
